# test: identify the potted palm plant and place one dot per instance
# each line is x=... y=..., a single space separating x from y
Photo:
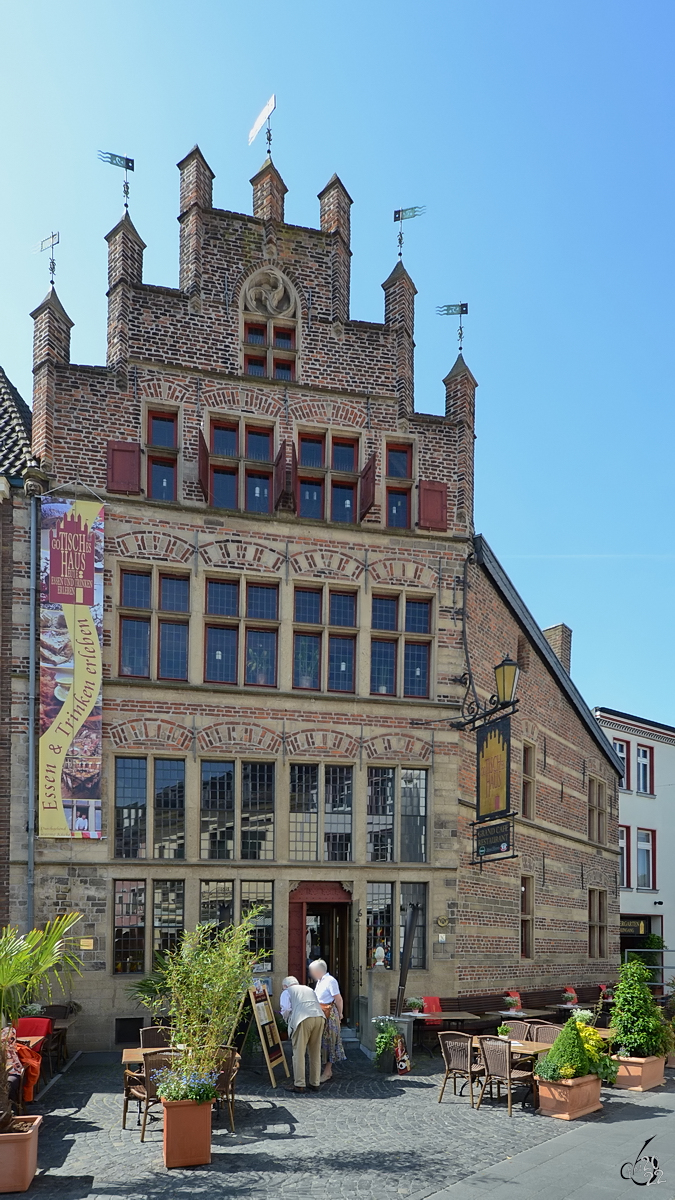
x=29 y=964
x=570 y=1076
x=639 y=1030
x=200 y=985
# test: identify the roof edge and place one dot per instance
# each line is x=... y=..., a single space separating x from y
x=486 y=559
x=600 y=711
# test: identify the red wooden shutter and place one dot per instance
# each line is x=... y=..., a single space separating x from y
x=367 y=498
x=295 y=485
x=433 y=505
x=124 y=467
x=280 y=474
x=204 y=467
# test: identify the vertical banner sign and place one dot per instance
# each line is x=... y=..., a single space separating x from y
x=493 y=775
x=71 y=632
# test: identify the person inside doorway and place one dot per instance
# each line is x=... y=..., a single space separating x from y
x=304 y=1017
x=327 y=991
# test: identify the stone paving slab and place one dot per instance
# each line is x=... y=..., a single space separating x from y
x=585 y=1164
x=366 y=1135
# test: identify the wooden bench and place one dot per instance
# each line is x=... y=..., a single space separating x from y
x=483 y=1003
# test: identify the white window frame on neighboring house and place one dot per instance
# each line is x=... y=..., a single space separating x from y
x=646 y=858
x=622 y=749
x=644 y=770
x=624 y=856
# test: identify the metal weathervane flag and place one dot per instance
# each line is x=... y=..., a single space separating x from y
x=263 y=116
x=404 y=214
x=116 y=160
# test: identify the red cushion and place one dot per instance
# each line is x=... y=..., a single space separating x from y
x=33 y=1026
x=432 y=1004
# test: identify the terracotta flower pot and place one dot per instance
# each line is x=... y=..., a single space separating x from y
x=187 y=1133
x=18 y=1157
x=639 y=1074
x=670 y=1061
x=568 y=1099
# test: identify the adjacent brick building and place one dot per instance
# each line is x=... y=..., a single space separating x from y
x=291 y=586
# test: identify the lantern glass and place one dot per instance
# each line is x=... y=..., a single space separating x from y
x=506 y=676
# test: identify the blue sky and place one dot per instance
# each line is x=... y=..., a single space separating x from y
x=540 y=138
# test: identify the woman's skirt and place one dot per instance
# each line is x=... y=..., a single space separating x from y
x=332 y=1050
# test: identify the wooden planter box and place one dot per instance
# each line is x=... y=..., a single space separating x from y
x=18 y=1157
x=568 y=1099
x=639 y=1074
x=187 y=1133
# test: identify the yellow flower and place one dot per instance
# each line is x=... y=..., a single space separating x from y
x=593 y=1043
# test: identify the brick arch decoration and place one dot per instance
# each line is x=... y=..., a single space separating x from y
x=397 y=747
x=322 y=742
x=330 y=564
x=143 y=733
x=250 y=556
x=343 y=413
x=215 y=396
x=403 y=571
x=237 y=737
x=153 y=543
x=155 y=387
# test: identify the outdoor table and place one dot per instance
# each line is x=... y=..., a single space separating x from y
x=31 y=1041
x=62 y=1025
x=524 y=1048
x=453 y=1018
x=439 y=1015
x=523 y=1014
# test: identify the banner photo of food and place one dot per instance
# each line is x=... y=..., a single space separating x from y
x=71 y=636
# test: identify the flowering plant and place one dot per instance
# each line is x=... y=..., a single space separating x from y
x=511 y=1002
x=177 y=1084
x=415 y=1003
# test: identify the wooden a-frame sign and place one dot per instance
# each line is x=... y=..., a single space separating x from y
x=262 y=1013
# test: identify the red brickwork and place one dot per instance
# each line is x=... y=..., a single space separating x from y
x=183 y=351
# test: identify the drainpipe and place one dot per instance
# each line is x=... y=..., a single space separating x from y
x=32 y=698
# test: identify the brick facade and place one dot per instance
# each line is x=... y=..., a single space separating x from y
x=188 y=354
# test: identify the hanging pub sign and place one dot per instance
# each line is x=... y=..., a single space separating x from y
x=493 y=769
x=494 y=838
x=71 y=632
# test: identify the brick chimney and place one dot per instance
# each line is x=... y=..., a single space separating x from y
x=399 y=315
x=51 y=349
x=196 y=198
x=125 y=268
x=460 y=411
x=269 y=190
x=559 y=638
x=336 y=220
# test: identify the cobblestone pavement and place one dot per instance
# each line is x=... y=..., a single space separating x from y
x=365 y=1135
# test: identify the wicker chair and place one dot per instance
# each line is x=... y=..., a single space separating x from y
x=228 y=1062
x=457 y=1051
x=519 y=1030
x=155 y=1035
x=546 y=1033
x=496 y=1055
x=143 y=1087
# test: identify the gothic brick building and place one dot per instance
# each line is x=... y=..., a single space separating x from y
x=291 y=588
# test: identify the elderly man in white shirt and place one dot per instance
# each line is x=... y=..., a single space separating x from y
x=304 y=1016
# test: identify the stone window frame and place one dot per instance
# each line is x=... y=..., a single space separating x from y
x=239 y=464
x=158 y=454
x=597 y=810
x=325 y=630
x=597 y=923
x=528 y=781
x=153 y=616
x=242 y=623
x=526 y=919
x=402 y=637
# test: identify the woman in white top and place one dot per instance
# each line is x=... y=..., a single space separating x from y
x=327 y=991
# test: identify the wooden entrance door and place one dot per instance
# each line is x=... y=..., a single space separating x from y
x=319 y=920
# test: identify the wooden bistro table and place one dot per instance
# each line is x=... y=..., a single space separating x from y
x=451 y=1020
x=523 y=1015
x=522 y=1048
x=62 y=1025
x=31 y=1041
